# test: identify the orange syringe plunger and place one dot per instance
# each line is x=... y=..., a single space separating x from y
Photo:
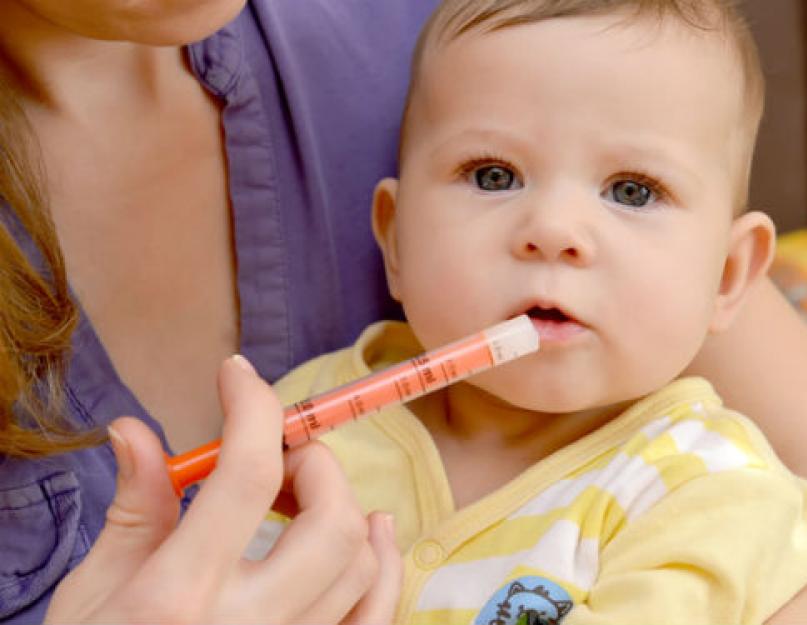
x=397 y=384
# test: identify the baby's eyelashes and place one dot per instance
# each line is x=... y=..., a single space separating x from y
x=491 y=174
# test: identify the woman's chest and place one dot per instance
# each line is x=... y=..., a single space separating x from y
x=148 y=246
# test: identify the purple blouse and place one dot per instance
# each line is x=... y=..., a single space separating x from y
x=312 y=93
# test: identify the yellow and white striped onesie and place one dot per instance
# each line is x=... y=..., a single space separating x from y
x=677 y=511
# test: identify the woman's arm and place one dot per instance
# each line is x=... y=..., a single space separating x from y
x=759 y=367
x=793 y=613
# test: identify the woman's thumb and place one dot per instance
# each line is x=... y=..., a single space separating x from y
x=142 y=514
x=145 y=509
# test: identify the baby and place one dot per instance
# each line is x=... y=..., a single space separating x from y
x=585 y=162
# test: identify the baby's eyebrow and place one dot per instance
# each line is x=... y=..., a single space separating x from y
x=675 y=165
x=495 y=137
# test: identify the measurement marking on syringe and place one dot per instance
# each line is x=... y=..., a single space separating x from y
x=354 y=413
x=359 y=404
x=398 y=390
x=298 y=407
x=445 y=373
x=417 y=364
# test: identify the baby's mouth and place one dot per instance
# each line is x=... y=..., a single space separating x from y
x=555 y=315
x=553 y=324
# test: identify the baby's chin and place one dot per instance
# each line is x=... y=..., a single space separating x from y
x=541 y=400
x=565 y=400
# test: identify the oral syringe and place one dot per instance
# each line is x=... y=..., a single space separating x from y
x=408 y=380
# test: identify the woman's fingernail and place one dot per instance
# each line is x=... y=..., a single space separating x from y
x=242 y=362
x=389 y=525
x=123 y=453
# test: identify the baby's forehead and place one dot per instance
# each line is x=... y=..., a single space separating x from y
x=634 y=53
x=713 y=21
x=643 y=29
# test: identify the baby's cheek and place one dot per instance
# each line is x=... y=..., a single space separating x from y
x=657 y=319
x=666 y=338
x=444 y=306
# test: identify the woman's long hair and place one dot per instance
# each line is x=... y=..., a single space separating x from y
x=37 y=315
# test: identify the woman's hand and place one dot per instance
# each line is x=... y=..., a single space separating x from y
x=330 y=564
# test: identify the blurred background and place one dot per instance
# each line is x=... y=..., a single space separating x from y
x=779 y=180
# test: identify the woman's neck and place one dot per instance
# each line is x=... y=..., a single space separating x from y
x=69 y=75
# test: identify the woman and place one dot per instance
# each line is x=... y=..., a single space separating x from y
x=214 y=198
x=66 y=496
x=331 y=562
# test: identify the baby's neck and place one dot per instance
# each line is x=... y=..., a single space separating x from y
x=484 y=442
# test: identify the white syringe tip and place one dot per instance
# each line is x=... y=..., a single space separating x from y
x=512 y=339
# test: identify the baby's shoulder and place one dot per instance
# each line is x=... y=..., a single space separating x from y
x=701 y=436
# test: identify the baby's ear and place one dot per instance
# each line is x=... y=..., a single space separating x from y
x=751 y=248
x=384 y=204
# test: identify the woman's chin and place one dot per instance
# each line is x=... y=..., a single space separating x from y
x=147 y=22
x=177 y=27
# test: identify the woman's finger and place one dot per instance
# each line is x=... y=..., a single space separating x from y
x=355 y=581
x=145 y=509
x=142 y=515
x=377 y=607
x=324 y=540
x=240 y=491
x=367 y=592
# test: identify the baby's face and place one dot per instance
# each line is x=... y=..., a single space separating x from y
x=580 y=171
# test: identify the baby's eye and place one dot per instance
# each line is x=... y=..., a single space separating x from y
x=495 y=178
x=631 y=193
